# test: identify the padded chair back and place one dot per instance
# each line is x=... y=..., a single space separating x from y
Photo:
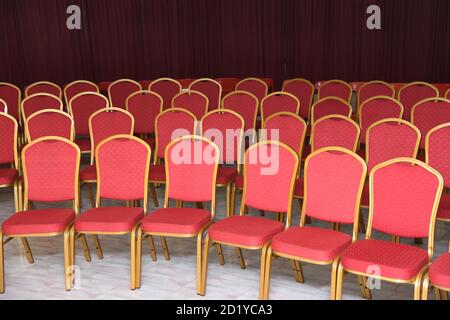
x=279 y=102
x=44 y=87
x=245 y=104
x=120 y=90
x=210 y=88
x=255 y=86
x=8 y=139
x=38 y=102
x=329 y=106
x=303 y=90
x=11 y=95
x=3 y=106
x=49 y=122
x=83 y=106
x=77 y=87
x=335 y=88
x=167 y=88
x=437 y=149
x=145 y=107
x=335 y=131
x=192 y=101
x=410 y=94
x=373 y=89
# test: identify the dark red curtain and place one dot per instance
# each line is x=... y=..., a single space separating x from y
x=146 y=39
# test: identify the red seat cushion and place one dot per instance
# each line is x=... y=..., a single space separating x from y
x=84 y=144
x=245 y=230
x=226 y=175
x=88 y=173
x=239 y=182
x=311 y=243
x=109 y=219
x=176 y=221
x=38 y=222
x=157 y=173
x=299 y=188
x=440 y=271
x=394 y=260
x=8 y=176
x=444 y=208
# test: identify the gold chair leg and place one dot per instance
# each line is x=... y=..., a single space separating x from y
x=67 y=259
x=16 y=197
x=27 y=249
x=152 y=248
x=138 y=257
x=2 y=266
x=241 y=258
x=298 y=272
x=365 y=291
x=437 y=294
x=228 y=200
x=86 y=251
x=72 y=255
x=98 y=247
x=204 y=266
x=199 y=262
x=334 y=278
x=262 y=275
x=20 y=194
x=133 y=259
x=362 y=225
x=444 y=295
x=267 y=274
x=233 y=199
x=91 y=194
x=154 y=196
x=220 y=254
x=165 y=248
x=339 y=280
x=425 y=286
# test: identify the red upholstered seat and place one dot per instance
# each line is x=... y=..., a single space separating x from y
x=176 y=221
x=394 y=260
x=88 y=173
x=226 y=175
x=440 y=271
x=311 y=243
x=109 y=219
x=299 y=188
x=245 y=230
x=444 y=208
x=157 y=173
x=239 y=182
x=84 y=145
x=8 y=176
x=38 y=222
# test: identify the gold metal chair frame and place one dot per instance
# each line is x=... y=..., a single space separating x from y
x=24 y=118
x=75 y=83
x=424 y=101
x=313 y=120
x=416 y=83
x=39 y=83
x=117 y=82
x=362 y=105
x=380 y=82
x=62 y=113
x=265 y=247
x=336 y=81
x=190 y=92
x=149 y=235
x=236 y=88
x=211 y=81
x=440 y=293
x=416 y=281
x=307 y=82
x=447 y=94
x=243 y=93
x=278 y=94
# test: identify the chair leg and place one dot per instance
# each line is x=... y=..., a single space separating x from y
x=228 y=200
x=138 y=257
x=72 y=255
x=425 y=286
x=199 y=262
x=133 y=259
x=267 y=273
x=262 y=274
x=444 y=295
x=86 y=251
x=98 y=247
x=365 y=291
x=20 y=195
x=154 y=196
x=334 y=278
x=16 y=197
x=2 y=266
x=91 y=194
x=298 y=272
x=152 y=248
x=241 y=258
x=220 y=254
x=67 y=259
x=395 y=239
x=362 y=225
x=165 y=248
x=233 y=199
x=339 y=270
x=204 y=266
x=27 y=249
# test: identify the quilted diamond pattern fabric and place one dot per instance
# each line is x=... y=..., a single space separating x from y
x=245 y=105
x=334 y=132
x=212 y=90
x=109 y=219
x=167 y=90
x=335 y=89
x=83 y=107
x=258 y=89
x=412 y=94
x=374 y=89
x=50 y=124
x=439 y=152
x=193 y=102
x=430 y=114
x=120 y=91
x=11 y=96
x=7 y=143
x=144 y=108
x=38 y=103
x=303 y=91
x=328 y=107
x=79 y=87
x=279 y=103
x=291 y=131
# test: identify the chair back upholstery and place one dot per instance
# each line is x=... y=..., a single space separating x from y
x=8 y=139
x=77 y=87
x=255 y=86
x=328 y=106
x=120 y=90
x=167 y=88
x=38 y=102
x=43 y=87
x=335 y=88
x=83 y=106
x=437 y=150
x=410 y=94
x=335 y=131
x=192 y=101
x=373 y=89
x=303 y=90
x=210 y=88
x=11 y=95
x=49 y=122
x=145 y=107
x=245 y=104
x=279 y=102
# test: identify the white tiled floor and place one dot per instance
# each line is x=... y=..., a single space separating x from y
x=175 y=279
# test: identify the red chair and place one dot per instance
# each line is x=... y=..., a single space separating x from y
x=145 y=107
x=430 y=113
x=335 y=88
x=49 y=122
x=375 y=109
x=255 y=86
x=410 y=94
x=228 y=84
x=279 y=102
x=12 y=96
x=38 y=102
x=447 y=94
x=333 y=200
x=225 y=128
x=245 y=104
x=303 y=90
x=116 y=158
x=266 y=187
x=120 y=90
x=373 y=89
x=335 y=131
x=192 y=101
x=437 y=152
x=404 y=197
x=210 y=88
x=77 y=87
x=190 y=161
x=43 y=87
x=3 y=106
x=386 y=140
x=81 y=108
x=329 y=106
x=439 y=277
x=167 y=88
x=185 y=83
x=50 y=167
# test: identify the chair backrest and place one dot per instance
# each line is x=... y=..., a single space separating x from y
x=120 y=90
x=210 y=88
x=167 y=88
x=192 y=160
x=329 y=106
x=303 y=90
x=80 y=86
x=375 y=109
x=170 y=125
x=430 y=113
x=335 y=88
x=123 y=163
x=49 y=122
x=373 y=89
x=109 y=122
x=337 y=199
x=51 y=168
x=286 y=127
x=279 y=102
x=225 y=128
x=83 y=106
x=43 y=87
x=192 y=101
x=38 y=102
x=8 y=140
x=437 y=151
x=255 y=86
x=145 y=107
x=335 y=131
x=3 y=106
x=404 y=198
x=228 y=84
x=270 y=170
x=447 y=94
x=414 y=92
x=245 y=104
x=389 y=139
x=12 y=96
